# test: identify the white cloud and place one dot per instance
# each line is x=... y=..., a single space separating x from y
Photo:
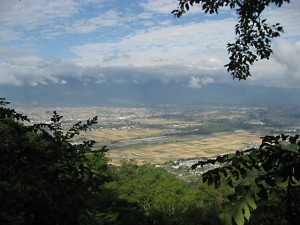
x=35 y=19
x=107 y=19
x=94 y=2
x=150 y=45
x=283 y=68
x=18 y=57
x=19 y=67
x=167 y=6
x=159 y=6
x=7 y=34
x=288 y=16
x=35 y=13
x=287 y=54
x=198 y=83
x=163 y=53
x=189 y=45
x=9 y=79
x=51 y=18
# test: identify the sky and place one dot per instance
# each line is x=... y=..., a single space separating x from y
x=50 y=42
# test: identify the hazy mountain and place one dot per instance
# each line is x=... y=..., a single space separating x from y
x=76 y=93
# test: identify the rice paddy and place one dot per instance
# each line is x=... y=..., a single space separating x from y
x=125 y=144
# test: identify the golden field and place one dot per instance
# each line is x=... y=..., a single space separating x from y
x=160 y=152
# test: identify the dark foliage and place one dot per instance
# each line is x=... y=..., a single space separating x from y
x=44 y=179
x=267 y=177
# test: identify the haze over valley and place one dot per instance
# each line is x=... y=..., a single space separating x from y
x=162 y=133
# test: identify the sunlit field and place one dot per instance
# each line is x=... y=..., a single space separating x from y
x=162 y=134
x=160 y=151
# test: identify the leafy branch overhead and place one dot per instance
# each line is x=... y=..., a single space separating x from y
x=253 y=34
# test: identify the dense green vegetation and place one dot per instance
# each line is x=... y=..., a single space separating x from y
x=266 y=180
x=44 y=178
x=47 y=179
x=165 y=198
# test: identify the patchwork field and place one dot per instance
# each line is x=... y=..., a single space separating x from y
x=163 y=133
x=161 y=151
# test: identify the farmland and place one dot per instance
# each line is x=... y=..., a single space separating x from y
x=166 y=133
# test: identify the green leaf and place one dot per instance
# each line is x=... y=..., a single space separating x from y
x=250 y=200
x=238 y=215
x=247 y=213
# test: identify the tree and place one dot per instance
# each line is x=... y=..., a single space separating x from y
x=264 y=177
x=271 y=171
x=44 y=177
x=165 y=198
x=254 y=35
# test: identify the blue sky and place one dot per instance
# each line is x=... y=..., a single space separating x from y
x=45 y=42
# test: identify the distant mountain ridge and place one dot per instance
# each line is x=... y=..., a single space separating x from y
x=76 y=93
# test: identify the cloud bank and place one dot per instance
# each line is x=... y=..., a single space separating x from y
x=46 y=42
